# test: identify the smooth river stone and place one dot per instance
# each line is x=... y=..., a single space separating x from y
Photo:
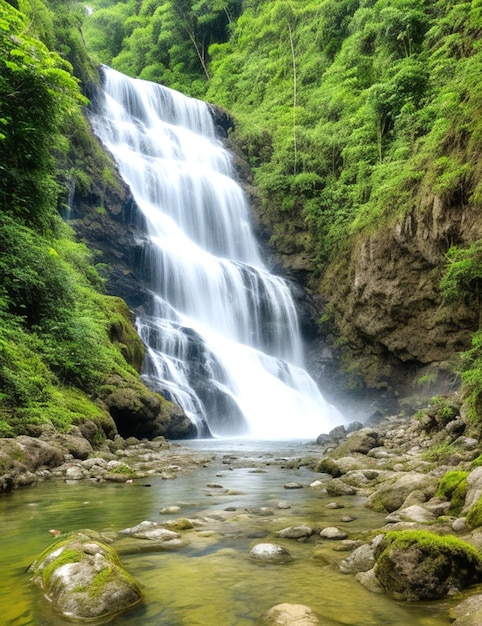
x=270 y=553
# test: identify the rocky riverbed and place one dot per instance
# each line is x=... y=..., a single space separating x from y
x=420 y=474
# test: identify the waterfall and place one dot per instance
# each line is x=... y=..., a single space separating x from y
x=221 y=333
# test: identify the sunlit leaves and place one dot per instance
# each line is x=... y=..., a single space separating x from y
x=36 y=93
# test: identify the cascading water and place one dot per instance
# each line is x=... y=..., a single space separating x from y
x=222 y=334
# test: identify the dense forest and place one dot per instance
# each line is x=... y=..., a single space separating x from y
x=352 y=114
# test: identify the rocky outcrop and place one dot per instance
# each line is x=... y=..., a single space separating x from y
x=393 y=326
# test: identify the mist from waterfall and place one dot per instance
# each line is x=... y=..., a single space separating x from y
x=221 y=333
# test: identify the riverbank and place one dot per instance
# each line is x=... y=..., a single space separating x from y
x=362 y=482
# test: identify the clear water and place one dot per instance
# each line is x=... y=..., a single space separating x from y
x=221 y=329
x=210 y=582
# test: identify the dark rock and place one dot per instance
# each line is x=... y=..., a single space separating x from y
x=323 y=440
x=353 y=426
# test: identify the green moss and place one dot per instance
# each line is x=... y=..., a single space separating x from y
x=122 y=332
x=476 y=462
x=453 y=487
x=124 y=470
x=474 y=515
x=430 y=542
x=99 y=581
x=67 y=555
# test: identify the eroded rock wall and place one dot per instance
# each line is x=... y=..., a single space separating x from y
x=394 y=329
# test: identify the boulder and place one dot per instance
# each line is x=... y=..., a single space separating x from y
x=414 y=513
x=331 y=532
x=468 y=612
x=269 y=553
x=295 y=532
x=148 y=536
x=361 y=559
x=288 y=615
x=337 y=487
x=361 y=441
x=419 y=565
x=392 y=494
x=84 y=579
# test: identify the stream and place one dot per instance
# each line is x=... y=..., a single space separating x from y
x=211 y=581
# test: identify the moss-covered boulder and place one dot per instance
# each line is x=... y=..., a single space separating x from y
x=139 y=412
x=22 y=457
x=453 y=487
x=420 y=565
x=84 y=578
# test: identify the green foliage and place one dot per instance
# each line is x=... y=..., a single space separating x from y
x=462 y=279
x=453 y=487
x=471 y=366
x=164 y=41
x=439 y=453
x=37 y=92
x=382 y=116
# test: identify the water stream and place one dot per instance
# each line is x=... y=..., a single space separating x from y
x=221 y=331
x=211 y=581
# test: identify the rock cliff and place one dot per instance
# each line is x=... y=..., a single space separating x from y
x=394 y=330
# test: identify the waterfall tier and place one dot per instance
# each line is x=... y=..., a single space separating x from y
x=221 y=335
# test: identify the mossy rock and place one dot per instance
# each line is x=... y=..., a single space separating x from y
x=122 y=331
x=328 y=466
x=420 y=565
x=391 y=495
x=453 y=487
x=84 y=578
x=474 y=515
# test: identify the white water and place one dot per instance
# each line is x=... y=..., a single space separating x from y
x=222 y=334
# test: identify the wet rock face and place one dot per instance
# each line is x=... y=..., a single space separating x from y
x=84 y=579
x=117 y=232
